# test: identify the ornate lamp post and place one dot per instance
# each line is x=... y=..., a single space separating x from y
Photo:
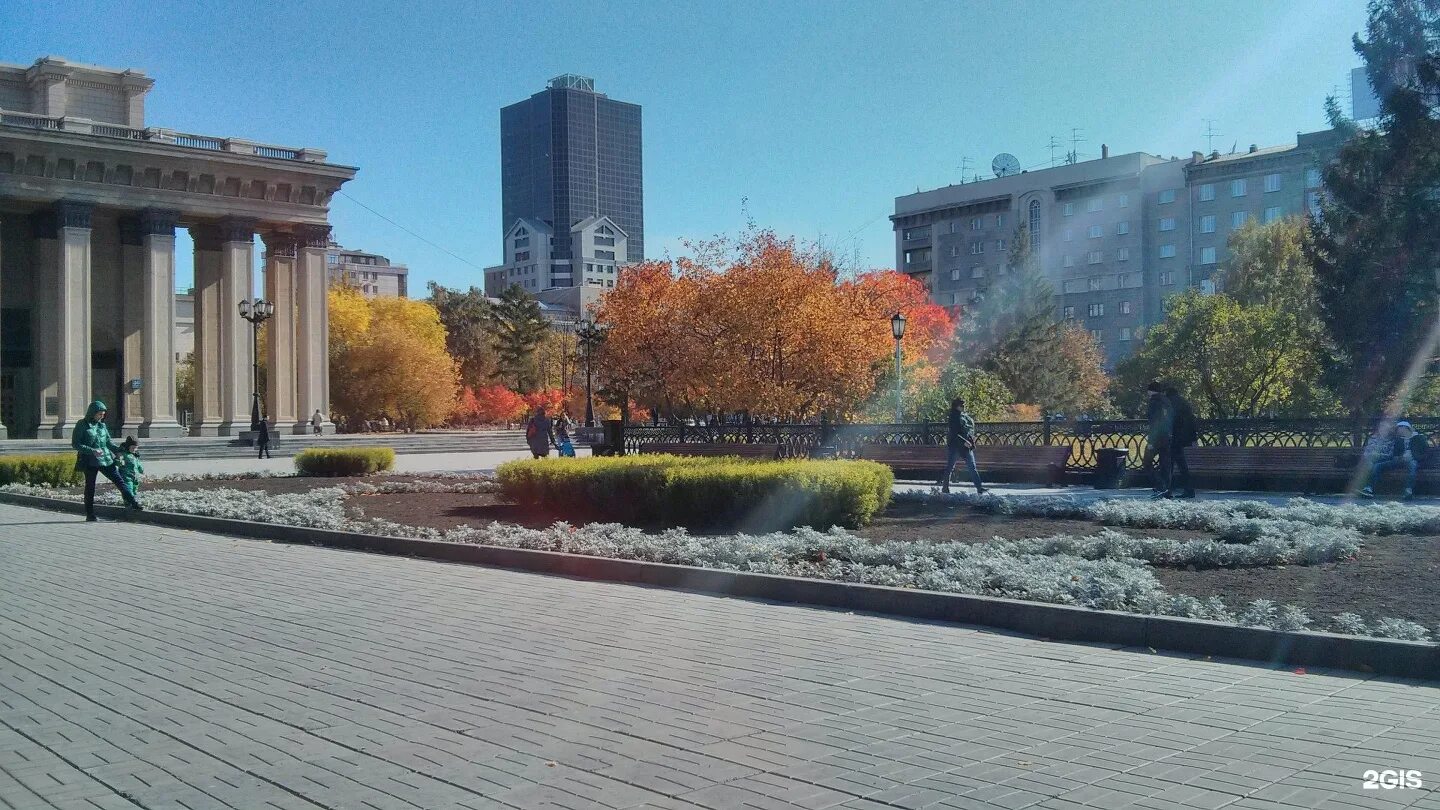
x=590 y=336
x=256 y=311
x=897 y=328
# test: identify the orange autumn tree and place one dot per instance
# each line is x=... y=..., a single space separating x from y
x=762 y=326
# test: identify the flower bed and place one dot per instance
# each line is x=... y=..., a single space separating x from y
x=40 y=469
x=702 y=492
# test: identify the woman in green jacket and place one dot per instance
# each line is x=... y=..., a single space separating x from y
x=95 y=455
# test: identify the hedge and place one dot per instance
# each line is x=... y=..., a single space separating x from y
x=344 y=461
x=703 y=492
x=41 y=470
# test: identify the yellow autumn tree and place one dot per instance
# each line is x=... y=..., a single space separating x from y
x=388 y=357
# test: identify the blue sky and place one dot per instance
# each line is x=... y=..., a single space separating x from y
x=815 y=114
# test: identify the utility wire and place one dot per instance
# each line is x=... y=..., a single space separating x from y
x=412 y=233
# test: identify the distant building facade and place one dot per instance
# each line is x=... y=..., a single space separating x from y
x=374 y=275
x=1115 y=236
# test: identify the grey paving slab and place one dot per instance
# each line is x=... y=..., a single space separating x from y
x=147 y=667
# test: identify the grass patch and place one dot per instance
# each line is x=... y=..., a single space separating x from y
x=703 y=492
x=346 y=461
x=41 y=470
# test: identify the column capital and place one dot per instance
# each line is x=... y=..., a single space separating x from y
x=206 y=236
x=237 y=229
x=314 y=236
x=71 y=214
x=279 y=243
x=158 y=222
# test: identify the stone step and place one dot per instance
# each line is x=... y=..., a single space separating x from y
x=230 y=447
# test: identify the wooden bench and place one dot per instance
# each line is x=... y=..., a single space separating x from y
x=999 y=462
x=1303 y=469
x=765 y=452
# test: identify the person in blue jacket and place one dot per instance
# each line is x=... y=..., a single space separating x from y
x=95 y=455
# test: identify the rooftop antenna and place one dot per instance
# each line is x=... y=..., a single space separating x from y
x=1210 y=134
x=1075 y=140
x=1054 y=144
x=964 y=166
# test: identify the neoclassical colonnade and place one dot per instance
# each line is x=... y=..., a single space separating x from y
x=99 y=284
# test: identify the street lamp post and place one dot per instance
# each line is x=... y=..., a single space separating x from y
x=897 y=328
x=590 y=335
x=255 y=311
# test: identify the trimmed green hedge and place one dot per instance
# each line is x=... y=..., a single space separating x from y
x=703 y=492
x=41 y=470
x=344 y=460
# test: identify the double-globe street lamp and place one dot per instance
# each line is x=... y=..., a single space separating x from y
x=897 y=328
x=590 y=335
x=256 y=311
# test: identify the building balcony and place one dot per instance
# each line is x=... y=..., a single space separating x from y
x=208 y=143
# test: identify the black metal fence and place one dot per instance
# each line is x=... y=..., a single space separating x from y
x=1084 y=438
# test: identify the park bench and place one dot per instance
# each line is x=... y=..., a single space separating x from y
x=765 y=452
x=1304 y=469
x=998 y=462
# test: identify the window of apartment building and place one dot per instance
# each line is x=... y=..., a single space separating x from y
x=1122 y=254
x=954 y=250
x=1069 y=313
x=1125 y=333
x=1207 y=255
x=999 y=220
x=1272 y=183
x=1068 y=209
x=589 y=268
x=1207 y=192
x=1167 y=277
x=1167 y=195
x=1094 y=257
x=977 y=247
x=1271 y=214
x=606 y=254
x=1097 y=310
x=522 y=256
x=331 y=259
x=975 y=223
x=977 y=272
x=1098 y=334
x=1312 y=178
x=523 y=241
x=1097 y=231
x=1237 y=220
x=1034 y=223
x=1001 y=244
x=1167 y=251
x=607 y=241
x=1122 y=228
x=955 y=226
x=1312 y=203
x=954 y=274
x=1069 y=260
x=1124 y=307
x=1123 y=201
x=1167 y=224
x=1094 y=204
x=915 y=256
x=1068 y=235
x=1237 y=188
x=609 y=282
x=917 y=233
x=1207 y=223
x=1093 y=283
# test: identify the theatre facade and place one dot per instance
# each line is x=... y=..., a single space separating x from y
x=90 y=202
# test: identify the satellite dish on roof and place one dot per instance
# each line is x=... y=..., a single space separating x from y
x=1005 y=165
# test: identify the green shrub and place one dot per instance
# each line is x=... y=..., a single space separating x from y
x=41 y=470
x=344 y=460
x=703 y=492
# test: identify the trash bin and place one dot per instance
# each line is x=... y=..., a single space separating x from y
x=1110 y=467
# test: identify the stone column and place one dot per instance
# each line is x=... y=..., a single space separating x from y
x=132 y=322
x=237 y=262
x=280 y=390
x=4 y=434
x=206 y=419
x=63 y=298
x=312 y=326
x=157 y=366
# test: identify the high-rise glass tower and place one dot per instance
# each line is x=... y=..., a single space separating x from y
x=568 y=153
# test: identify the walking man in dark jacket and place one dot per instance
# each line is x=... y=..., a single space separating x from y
x=1184 y=431
x=1158 y=441
x=960 y=443
x=262 y=439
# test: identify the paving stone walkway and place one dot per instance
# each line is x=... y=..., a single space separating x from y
x=142 y=667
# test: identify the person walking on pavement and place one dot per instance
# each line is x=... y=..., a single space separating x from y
x=1161 y=417
x=1407 y=450
x=539 y=433
x=960 y=443
x=262 y=441
x=316 y=420
x=1184 y=433
x=95 y=455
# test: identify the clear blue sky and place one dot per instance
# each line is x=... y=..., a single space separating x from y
x=818 y=113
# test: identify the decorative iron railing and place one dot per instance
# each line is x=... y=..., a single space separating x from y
x=1085 y=438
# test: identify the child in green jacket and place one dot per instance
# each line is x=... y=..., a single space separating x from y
x=130 y=469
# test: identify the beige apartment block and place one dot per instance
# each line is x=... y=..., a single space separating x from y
x=90 y=200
